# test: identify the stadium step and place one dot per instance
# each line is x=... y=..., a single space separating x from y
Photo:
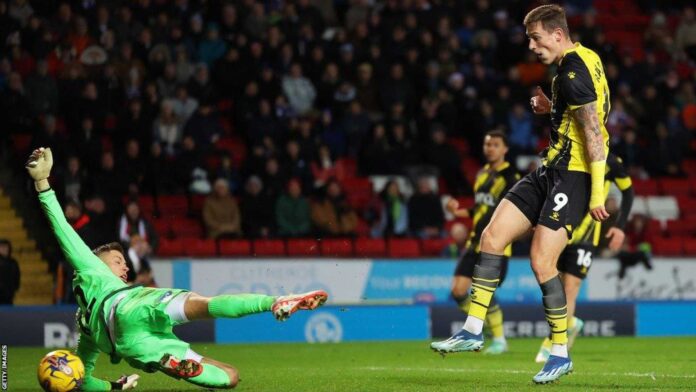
x=36 y=282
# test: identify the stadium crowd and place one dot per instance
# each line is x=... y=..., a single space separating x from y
x=267 y=107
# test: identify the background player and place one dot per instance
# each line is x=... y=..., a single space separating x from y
x=556 y=196
x=492 y=183
x=135 y=323
x=576 y=259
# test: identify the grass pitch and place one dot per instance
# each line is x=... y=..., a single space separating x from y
x=601 y=364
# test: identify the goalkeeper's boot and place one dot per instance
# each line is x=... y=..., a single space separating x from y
x=575 y=331
x=554 y=368
x=286 y=305
x=497 y=347
x=459 y=342
x=544 y=351
x=180 y=368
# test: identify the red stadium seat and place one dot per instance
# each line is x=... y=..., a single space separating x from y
x=200 y=248
x=434 y=246
x=235 y=248
x=654 y=228
x=303 y=247
x=645 y=187
x=689 y=167
x=162 y=227
x=172 y=205
x=675 y=186
x=403 y=247
x=690 y=246
x=668 y=246
x=370 y=247
x=186 y=227
x=269 y=248
x=336 y=247
x=687 y=206
x=346 y=168
x=170 y=248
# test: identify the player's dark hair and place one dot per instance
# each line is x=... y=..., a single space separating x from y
x=108 y=247
x=551 y=16
x=499 y=134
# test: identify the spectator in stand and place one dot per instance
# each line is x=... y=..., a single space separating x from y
x=666 y=154
x=9 y=273
x=81 y=222
x=132 y=223
x=72 y=181
x=445 y=157
x=183 y=105
x=229 y=173
x=221 y=215
x=426 y=216
x=168 y=129
x=133 y=167
x=324 y=167
x=257 y=207
x=134 y=123
x=457 y=246
x=299 y=90
x=292 y=212
x=522 y=137
x=393 y=220
x=42 y=91
x=373 y=155
x=204 y=126
x=356 y=124
x=331 y=213
x=297 y=166
x=139 y=270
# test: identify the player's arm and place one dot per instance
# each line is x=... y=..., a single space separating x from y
x=89 y=353
x=588 y=121
x=76 y=251
x=452 y=207
x=623 y=181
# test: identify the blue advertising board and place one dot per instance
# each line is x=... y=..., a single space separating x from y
x=329 y=324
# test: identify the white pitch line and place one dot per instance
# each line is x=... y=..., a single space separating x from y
x=476 y=370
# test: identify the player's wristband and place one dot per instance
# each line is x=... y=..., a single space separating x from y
x=597 y=172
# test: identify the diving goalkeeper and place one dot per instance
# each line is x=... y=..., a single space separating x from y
x=135 y=323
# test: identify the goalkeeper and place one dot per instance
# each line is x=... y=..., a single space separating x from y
x=135 y=323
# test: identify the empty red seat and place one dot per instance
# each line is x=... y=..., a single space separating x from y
x=336 y=247
x=235 y=248
x=403 y=247
x=434 y=246
x=687 y=206
x=675 y=186
x=689 y=167
x=654 y=228
x=269 y=248
x=690 y=246
x=346 y=168
x=199 y=247
x=185 y=227
x=303 y=247
x=668 y=246
x=172 y=205
x=169 y=248
x=645 y=187
x=162 y=226
x=370 y=247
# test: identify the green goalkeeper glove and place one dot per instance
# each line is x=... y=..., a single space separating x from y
x=39 y=167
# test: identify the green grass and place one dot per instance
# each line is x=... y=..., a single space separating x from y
x=601 y=364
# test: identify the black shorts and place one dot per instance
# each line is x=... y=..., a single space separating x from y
x=553 y=198
x=577 y=260
x=466 y=264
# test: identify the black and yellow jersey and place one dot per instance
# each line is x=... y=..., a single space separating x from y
x=589 y=230
x=489 y=188
x=580 y=80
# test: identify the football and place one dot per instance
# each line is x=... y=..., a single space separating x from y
x=61 y=371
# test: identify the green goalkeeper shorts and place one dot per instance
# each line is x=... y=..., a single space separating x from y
x=143 y=329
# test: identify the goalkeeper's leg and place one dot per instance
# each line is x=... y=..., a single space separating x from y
x=198 y=307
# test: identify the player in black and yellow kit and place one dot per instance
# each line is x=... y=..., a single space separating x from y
x=555 y=197
x=576 y=259
x=492 y=182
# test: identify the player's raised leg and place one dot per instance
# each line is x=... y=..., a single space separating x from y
x=547 y=245
x=507 y=224
x=232 y=306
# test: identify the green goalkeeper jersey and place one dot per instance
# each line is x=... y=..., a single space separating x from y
x=94 y=285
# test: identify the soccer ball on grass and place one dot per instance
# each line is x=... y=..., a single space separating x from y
x=61 y=371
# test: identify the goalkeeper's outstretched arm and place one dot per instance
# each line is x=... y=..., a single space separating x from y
x=76 y=251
